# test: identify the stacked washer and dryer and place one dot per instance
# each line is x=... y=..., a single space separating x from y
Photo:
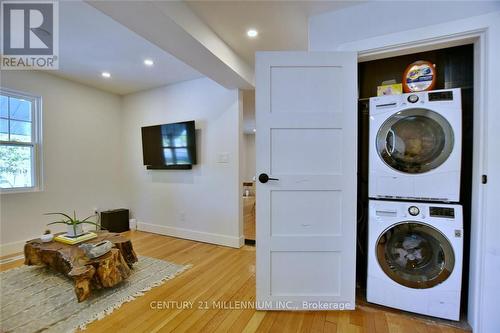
x=415 y=226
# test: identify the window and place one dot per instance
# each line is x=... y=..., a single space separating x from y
x=20 y=144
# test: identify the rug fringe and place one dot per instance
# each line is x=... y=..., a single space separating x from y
x=130 y=298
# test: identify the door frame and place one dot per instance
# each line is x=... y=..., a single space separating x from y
x=427 y=39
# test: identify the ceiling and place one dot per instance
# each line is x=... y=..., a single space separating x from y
x=282 y=25
x=91 y=42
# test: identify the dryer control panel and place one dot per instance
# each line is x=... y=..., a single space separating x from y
x=446 y=95
x=445 y=98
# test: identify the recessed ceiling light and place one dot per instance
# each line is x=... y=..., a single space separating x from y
x=148 y=62
x=252 y=33
x=107 y=75
x=254 y=130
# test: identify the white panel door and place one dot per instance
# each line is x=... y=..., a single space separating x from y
x=306 y=217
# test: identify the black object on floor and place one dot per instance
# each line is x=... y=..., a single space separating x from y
x=249 y=241
x=115 y=220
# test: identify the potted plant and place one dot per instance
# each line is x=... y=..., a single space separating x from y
x=74 y=225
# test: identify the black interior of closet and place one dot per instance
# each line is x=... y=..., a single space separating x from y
x=455 y=69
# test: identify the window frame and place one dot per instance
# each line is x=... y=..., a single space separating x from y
x=35 y=144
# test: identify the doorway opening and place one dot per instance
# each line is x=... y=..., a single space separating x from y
x=248 y=162
x=455 y=69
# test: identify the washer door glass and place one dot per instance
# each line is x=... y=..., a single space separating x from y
x=415 y=255
x=415 y=140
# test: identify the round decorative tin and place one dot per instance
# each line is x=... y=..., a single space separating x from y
x=419 y=76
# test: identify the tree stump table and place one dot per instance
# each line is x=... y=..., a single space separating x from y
x=102 y=272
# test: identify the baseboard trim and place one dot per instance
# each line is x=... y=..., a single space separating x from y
x=11 y=248
x=200 y=236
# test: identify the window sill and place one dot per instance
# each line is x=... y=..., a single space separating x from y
x=20 y=190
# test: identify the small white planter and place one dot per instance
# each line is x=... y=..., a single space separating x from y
x=78 y=228
x=47 y=238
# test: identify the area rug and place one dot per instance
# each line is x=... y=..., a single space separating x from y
x=35 y=299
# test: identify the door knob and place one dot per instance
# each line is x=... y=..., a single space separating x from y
x=264 y=178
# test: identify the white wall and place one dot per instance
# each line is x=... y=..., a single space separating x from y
x=376 y=18
x=248 y=158
x=82 y=170
x=202 y=203
x=249 y=161
x=484 y=292
x=248 y=111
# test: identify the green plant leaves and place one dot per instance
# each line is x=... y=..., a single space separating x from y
x=72 y=220
x=88 y=217
x=69 y=218
x=60 y=222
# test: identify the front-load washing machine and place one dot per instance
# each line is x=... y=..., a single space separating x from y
x=416 y=146
x=415 y=257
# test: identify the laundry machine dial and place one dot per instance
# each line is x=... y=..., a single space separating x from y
x=413 y=98
x=413 y=210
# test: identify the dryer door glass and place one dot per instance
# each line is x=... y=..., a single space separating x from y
x=415 y=140
x=415 y=255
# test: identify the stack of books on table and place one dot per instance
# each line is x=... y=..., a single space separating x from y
x=71 y=240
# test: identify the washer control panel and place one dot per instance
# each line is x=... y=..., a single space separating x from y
x=444 y=212
x=413 y=210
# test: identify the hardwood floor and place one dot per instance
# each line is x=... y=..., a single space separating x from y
x=221 y=274
x=249 y=217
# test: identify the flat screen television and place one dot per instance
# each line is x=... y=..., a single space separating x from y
x=169 y=146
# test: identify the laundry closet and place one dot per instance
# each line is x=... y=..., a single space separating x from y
x=414 y=183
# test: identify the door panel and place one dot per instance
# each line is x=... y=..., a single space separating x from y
x=296 y=273
x=305 y=89
x=290 y=213
x=305 y=151
x=306 y=138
